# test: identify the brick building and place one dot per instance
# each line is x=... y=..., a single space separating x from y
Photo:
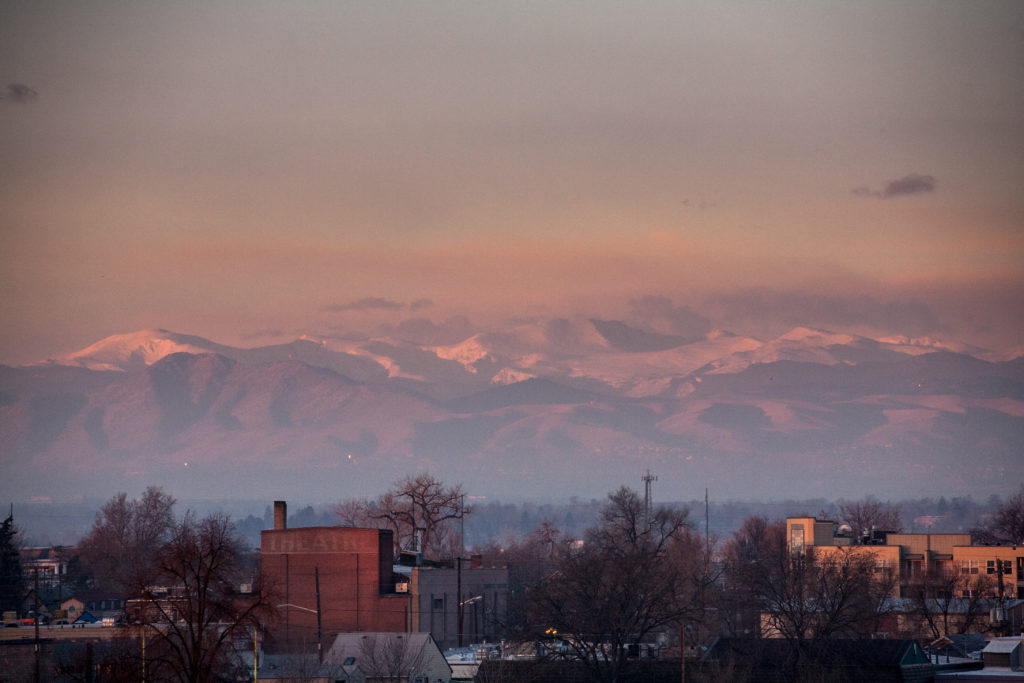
x=357 y=588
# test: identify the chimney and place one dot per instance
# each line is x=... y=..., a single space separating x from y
x=280 y=515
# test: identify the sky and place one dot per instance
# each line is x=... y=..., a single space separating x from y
x=256 y=171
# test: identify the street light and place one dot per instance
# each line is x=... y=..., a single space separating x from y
x=319 y=620
x=319 y=630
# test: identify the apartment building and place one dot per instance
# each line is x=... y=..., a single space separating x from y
x=917 y=556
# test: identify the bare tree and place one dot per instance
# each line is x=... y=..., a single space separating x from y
x=426 y=506
x=950 y=601
x=192 y=611
x=387 y=657
x=529 y=560
x=354 y=512
x=807 y=598
x=867 y=514
x=119 y=548
x=623 y=585
x=812 y=598
x=755 y=547
x=117 y=659
x=1007 y=524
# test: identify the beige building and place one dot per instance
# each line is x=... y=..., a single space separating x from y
x=1002 y=564
x=916 y=556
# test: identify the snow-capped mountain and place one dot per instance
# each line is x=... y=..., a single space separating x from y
x=546 y=407
x=135 y=350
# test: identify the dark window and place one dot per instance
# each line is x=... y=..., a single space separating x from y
x=438 y=603
x=349 y=661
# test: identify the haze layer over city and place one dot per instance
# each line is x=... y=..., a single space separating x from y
x=262 y=250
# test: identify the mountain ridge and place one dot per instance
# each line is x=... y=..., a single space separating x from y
x=528 y=409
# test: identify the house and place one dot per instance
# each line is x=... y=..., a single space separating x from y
x=384 y=657
x=85 y=618
x=305 y=668
x=49 y=564
x=1004 y=653
x=73 y=608
x=98 y=604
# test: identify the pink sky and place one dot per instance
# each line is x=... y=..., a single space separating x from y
x=246 y=171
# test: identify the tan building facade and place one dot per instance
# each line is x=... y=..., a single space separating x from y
x=1003 y=566
x=917 y=556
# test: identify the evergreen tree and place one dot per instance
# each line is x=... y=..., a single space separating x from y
x=12 y=578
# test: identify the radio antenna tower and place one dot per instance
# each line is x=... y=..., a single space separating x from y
x=647 y=479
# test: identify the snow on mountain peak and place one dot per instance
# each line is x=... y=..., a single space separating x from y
x=810 y=335
x=510 y=376
x=466 y=353
x=124 y=352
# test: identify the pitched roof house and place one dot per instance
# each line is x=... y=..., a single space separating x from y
x=391 y=656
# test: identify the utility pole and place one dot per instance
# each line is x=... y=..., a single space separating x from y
x=458 y=594
x=36 y=616
x=707 y=515
x=707 y=531
x=682 y=651
x=319 y=618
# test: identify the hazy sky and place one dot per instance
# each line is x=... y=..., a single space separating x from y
x=252 y=171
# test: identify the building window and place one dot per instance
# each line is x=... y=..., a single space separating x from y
x=438 y=604
x=993 y=566
x=796 y=539
x=913 y=568
x=969 y=566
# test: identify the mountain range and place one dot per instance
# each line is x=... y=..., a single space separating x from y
x=552 y=408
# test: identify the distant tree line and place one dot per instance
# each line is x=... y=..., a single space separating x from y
x=44 y=524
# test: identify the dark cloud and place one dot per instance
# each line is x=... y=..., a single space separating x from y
x=913 y=183
x=778 y=311
x=370 y=303
x=660 y=314
x=910 y=184
x=420 y=304
x=19 y=93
